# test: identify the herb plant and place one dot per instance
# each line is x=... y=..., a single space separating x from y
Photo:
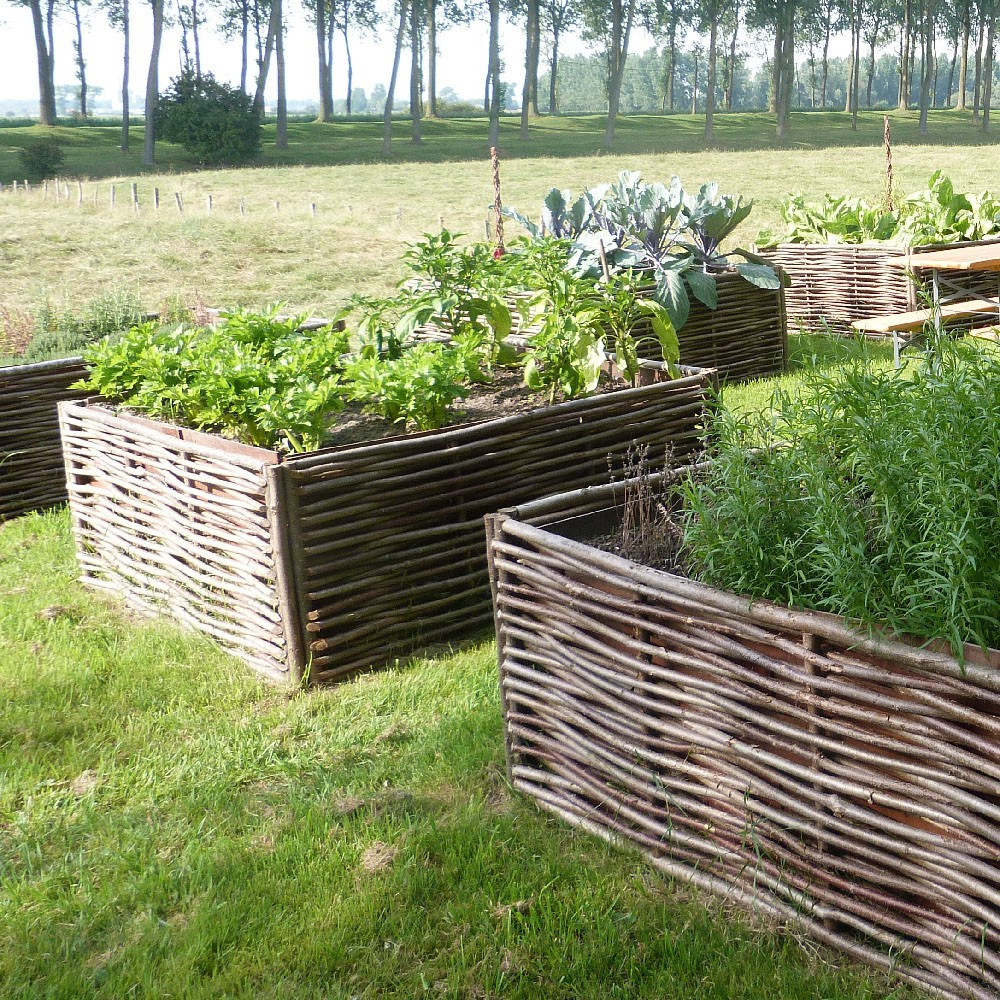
x=873 y=494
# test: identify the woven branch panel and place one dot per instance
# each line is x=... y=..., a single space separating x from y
x=844 y=783
x=832 y=285
x=327 y=563
x=389 y=544
x=179 y=523
x=31 y=465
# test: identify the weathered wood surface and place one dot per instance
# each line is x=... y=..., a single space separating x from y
x=833 y=285
x=846 y=783
x=31 y=465
x=179 y=524
x=340 y=559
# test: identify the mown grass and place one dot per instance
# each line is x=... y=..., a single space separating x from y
x=171 y=827
x=366 y=213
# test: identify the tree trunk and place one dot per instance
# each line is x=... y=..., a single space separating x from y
x=694 y=89
x=125 y=67
x=787 y=70
x=529 y=94
x=710 y=83
x=671 y=68
x=731 y=67
x=856 y=73
x=152 y=88
x=904 y=59
x=281 y=136
x=928 y=64
x=553 y=73
x=977 y=91
x=195 y=38
x=264 y=62
x=871 y=72
x=493 y=81
x=325 y=102
x=826 y=51
x=621 y=28
x=951 y=72
x=244 y=43
x=963 y=64
x=774 y=83
x=350 y=67
x=851 y=64
x=988 y=71
x=81 y=66
x=390 y=94
x=416 y=103
x=46 y=87
x=432 y=101
x=536 y=52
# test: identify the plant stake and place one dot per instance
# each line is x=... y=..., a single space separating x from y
x=497 y=206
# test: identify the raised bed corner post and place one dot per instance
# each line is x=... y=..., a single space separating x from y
x=288 y=561
x=493 y=524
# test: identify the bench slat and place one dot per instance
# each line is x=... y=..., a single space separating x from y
x=906 y=321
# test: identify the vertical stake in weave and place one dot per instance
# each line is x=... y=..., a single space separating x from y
x=888 y=165
x=497 y=205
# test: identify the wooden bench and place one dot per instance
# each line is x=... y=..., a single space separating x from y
x=899 y=325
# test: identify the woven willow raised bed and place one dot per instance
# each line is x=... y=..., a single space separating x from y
x=325 y=563
x=834 y=284
x=844 y=783
x=31 y=466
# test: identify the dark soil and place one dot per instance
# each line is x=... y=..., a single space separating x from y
x=505 y=396
x=658 y=545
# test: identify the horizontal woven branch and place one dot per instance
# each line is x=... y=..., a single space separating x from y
x=31 y=465
x=844 y=782
x=341 y=559
x=832 y=285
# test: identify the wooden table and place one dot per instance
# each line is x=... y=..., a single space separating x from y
x=944 y=292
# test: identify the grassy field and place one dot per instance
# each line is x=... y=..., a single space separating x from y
x=366 y=212
x=169 y=826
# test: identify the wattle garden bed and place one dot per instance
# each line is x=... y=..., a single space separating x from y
x=833 y=284
x=843 y=781
x=31 y=467
x=319 y=564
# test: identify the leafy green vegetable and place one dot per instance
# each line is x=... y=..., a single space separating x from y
x=254 y=377
x=937 y=214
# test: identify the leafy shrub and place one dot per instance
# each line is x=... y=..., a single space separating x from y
x=41 y=158
x=874 y=497
x=211 y=120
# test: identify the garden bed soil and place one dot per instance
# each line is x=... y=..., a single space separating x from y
x=31 y=465
x=845 y=782
x=318 y=565
x=834 y=284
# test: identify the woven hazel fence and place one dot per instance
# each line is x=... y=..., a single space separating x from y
x=845 y=783
x=834 y=284
x=330 y=562
x=31 y=465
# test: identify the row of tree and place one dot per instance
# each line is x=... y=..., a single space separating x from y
x=925 y=37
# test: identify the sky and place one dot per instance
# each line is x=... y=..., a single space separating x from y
x=461 y=60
